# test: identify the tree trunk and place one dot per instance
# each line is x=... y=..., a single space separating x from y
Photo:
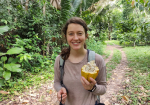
x=26 y=5
x=43 y=49
x=44 y=8
x=47 y=49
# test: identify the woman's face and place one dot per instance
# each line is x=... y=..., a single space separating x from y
x=76 y=36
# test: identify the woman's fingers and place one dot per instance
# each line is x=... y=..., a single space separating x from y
x=62 y=95
x=93 y=81
x=88 y=85
x=63 y=90
x=63 y=98
x=84 y=81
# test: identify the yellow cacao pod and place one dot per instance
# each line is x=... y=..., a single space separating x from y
x=90 y=70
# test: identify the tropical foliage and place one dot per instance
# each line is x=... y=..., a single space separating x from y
x=30 y=31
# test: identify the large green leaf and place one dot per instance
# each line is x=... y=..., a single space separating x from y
x=13 y=67
x=4 y=58
x=15 y=50
x=1 y=73
x=7 y=75
x=2 y=53
x=3 y=29
x=2 y=82
x=13 y=60
x=10 y=59
x=1 y=68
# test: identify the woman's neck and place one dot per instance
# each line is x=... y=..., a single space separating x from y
x=77 y=55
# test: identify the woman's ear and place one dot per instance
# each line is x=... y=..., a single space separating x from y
x=87 y=35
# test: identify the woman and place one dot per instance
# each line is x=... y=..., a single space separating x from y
x=75 y=31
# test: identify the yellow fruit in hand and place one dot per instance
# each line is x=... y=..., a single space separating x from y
x=90 y=70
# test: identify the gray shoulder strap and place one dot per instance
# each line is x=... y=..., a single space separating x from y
x=61 y=61
x=91 y=56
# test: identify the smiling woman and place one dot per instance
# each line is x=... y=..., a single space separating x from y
x=76 y=36
x=76 y=90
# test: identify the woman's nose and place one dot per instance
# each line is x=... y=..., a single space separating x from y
x=75 y=37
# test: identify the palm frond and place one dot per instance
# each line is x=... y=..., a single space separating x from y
x=65 y=10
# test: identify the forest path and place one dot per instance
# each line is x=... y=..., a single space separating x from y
x=114 y=84
x=46 y=95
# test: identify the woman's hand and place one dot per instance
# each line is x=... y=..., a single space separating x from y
x=86 y=84
x=62 y=92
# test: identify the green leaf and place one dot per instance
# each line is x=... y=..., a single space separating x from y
x=1 y=54
x=1 y=68
x=2 y=82
x=141 y=8
x=3 y=29
x=7 y=75
x=13 y=67
x=12 y=60
x=1 y=73
x=4 y=58
x=136 y=4
x=15 y=50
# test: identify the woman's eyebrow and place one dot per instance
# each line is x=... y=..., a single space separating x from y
x=73 y=31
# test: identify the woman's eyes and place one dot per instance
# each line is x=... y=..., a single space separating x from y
x=80 y=33
x=74 y=33
x=71 y=34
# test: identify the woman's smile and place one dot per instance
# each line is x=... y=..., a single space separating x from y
x=76 y=36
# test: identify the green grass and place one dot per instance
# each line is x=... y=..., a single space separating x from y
x=30 y=80
x=106 y=53
x=112 y=42
x=138 y=87
x=139 y=58
x=116 y=58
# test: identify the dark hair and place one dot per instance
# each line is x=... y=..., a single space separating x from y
x=66 y=51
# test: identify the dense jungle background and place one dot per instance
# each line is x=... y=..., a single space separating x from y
x=31 y=37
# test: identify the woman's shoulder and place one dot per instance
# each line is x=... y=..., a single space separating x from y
x=99 y=59
x=57 y=58
x=98 y=56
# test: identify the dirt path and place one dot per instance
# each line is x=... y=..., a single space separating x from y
x=46 y=95
x=117 y=78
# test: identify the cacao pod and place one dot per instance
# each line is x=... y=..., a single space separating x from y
x=90 y=70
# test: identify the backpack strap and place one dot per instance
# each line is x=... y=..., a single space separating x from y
x=61 y=63
x=91 y=55
x=61 y=66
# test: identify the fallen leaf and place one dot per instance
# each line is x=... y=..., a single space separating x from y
x=148 y=101
x=127 y=80
x=50 y=92
x=33 y=95
x=16 y=93
x=42 y=77
x=25 y=101
x=107 y=102
x=114 y=98
x=142 y=88
x=4 y=92
x=48 y=98
x=136 y=92
x=125 y=98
